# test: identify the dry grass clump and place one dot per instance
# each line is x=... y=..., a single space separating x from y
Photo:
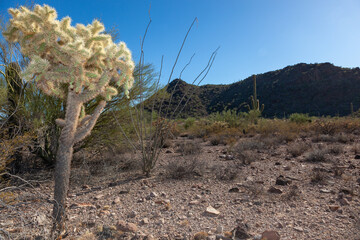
x=228 y=172
x=335 y=149
x=339 y=137
x=316 y=155
x=297 y=149
x=356 y=148
x=188 y=148
x=318 y=175
x=185 y=168
x=293 y=193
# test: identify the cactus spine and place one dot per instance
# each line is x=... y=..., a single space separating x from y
x=74 y=63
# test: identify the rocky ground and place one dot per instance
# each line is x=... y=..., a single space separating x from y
x=261 y=187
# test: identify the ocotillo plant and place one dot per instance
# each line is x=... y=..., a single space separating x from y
x=75 y=63
x=255 y=104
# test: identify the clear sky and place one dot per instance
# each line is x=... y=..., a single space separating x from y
x=254 y=36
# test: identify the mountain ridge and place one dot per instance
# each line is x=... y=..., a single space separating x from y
x=317 y=89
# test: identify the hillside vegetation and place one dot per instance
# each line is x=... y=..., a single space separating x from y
x=317 y=89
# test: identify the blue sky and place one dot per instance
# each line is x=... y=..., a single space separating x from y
x=254 y=36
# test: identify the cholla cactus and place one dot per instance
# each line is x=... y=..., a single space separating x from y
x=74 y=63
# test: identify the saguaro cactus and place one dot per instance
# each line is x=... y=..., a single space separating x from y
x=255 y=104
x=75 y=63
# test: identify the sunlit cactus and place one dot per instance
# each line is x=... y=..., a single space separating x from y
x=77 y=64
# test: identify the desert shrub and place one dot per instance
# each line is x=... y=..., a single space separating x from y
x=188 y=148
x=343 y=138
x=251 y=144
x=297 y=149
x=216 y=127
x=323 y=138
x=216 y=140
x=231 y=117
x=246 y=157
x=335 y=149
x=293 y=193
x=356 y=148
x=226 y=173
x=325 y=126
x=317 y=155
x=189 y=122
x=299 y=118
x=10 y=147
x=185 y=168
x=318 y=175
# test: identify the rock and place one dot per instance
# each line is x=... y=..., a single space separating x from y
x=299 y=229
x=132 y=214
x=212 y=211
x=344 y=202
x=283 y=181
x=82 y=205
x=41 y=219
x=124 y=191
x=98 y=196
x=153 y=194
x=194 y=202
x=144 y=221
x=334 y=207
x=169 y=151
x=219 y=230
x=274 y=190
x=234 y=190
x=201 y=236
x=240 y=231
x=126 y=226
x=357 y=156
x=229 y=157
x=270 y=235
x=325 y=190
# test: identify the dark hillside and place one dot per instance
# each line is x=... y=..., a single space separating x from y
x=317 y=89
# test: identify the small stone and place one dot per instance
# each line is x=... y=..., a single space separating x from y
x=153 y=194
x=126 y=226
x=299 y=229
x=283 y=181
x=201 y=236
x=219 y=230
x=132 y=214
x=234 y=190
x=274 y=190
x=270 y=235
x=195 y=202
x=98 y=196
x=124 y=191
x=357 y=156
x=197 y=196
x=144 y=221
x=212 y=211
x=116 y=201
x=334 y=207
x=241 y=231
x=106 y=207
x=344 y=202
x=325 y=190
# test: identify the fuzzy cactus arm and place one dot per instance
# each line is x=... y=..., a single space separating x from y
x=60 y=122
x=84 y=120
x=85 y=130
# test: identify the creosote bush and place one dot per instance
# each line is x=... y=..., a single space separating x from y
x=297 y=149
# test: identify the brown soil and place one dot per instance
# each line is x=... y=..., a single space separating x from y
x=320 y=201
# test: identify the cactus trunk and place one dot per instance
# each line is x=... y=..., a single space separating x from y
x=64 y=156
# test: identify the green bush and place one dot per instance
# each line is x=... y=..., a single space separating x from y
x=189 y=122
x=299 y=118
